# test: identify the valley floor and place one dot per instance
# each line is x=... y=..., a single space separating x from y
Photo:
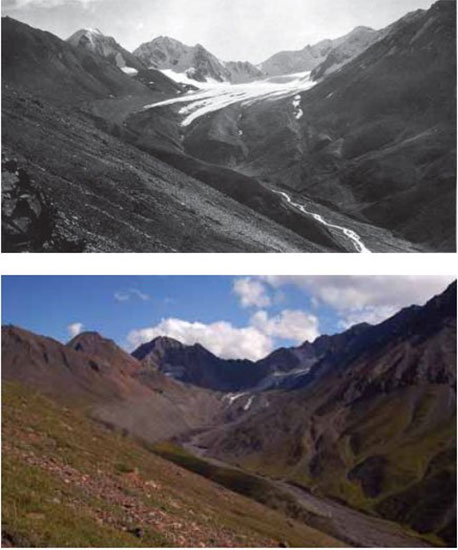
x=352 y=526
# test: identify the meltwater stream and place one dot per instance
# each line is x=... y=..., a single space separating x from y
x=349 y=233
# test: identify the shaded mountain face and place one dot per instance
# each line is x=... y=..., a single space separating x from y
x=195 y=62
x=376 y=429
x=195 y=365
x=324 y=57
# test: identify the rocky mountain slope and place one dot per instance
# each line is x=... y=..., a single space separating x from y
x=375 y=426
x=95 y=375
x=324 y=57
x=194 y=62
x=346 y=48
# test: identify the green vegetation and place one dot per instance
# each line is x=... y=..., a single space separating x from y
x=69 y=482
x=37 y=510
x=234 y=479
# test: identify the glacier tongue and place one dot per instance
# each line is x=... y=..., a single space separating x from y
x=215 y=96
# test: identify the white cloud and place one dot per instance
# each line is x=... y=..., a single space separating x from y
x=221 y=338
x=120 y=296
x=365 y=298
x=74 y=329
x=125 y=296
x=251 y=292
x=254 y=341
x=297 y=326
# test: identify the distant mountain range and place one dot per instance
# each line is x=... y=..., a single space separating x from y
x=285 y=368
x=195 y=63
x=366 y=416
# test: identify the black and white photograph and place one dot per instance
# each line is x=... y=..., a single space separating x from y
x=229 y=126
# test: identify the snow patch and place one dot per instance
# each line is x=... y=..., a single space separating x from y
x=231 y=397
x=130 y=71
x=298 y=112
x=248 y=403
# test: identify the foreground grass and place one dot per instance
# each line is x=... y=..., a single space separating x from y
x=68 y=482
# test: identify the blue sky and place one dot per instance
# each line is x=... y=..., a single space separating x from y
x=247 y=30
x=231 y=316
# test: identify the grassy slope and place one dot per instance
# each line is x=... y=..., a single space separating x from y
x=69 y=482
x=390 y=429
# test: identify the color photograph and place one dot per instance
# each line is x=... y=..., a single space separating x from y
x=229 y=411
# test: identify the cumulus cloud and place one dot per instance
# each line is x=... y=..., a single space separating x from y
x=221 y=338
x=364 y=298
x=251 y=292
x=126 y=295
x=254 y=341
x=74 y=329
x=297 y=326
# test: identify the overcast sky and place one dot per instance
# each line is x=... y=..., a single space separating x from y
x=249 y=30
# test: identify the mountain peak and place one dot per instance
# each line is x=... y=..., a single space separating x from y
x=92 y=31
x=193 y=62
x=88 y=34
x=88 y=336
x=156 y=346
